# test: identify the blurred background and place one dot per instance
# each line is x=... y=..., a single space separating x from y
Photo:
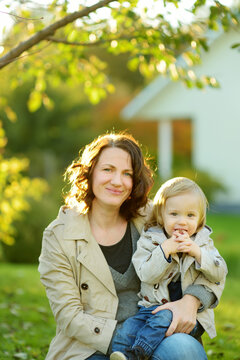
x=165 y=71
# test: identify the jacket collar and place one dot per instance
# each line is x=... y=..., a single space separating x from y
x=202 y=236
x=76 y=225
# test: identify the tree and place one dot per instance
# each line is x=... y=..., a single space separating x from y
x=15 y=190
x=58 y=45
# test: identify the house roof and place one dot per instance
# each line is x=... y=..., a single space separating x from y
x=134 y=107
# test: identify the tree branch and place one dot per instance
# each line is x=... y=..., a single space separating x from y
x=28 y=54
x=93 y=43
x=75 y=43
x=20 y=17
x=13 y=54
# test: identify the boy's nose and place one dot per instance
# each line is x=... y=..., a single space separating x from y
x=182 y=220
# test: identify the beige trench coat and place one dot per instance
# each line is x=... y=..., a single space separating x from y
x=79 y=287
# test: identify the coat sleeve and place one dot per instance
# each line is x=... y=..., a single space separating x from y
x=207 y=287
x=57 y=276
x=213 y=266
x=149 y=260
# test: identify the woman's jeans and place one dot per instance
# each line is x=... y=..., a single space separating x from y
x=146 y=331
x=175 y=347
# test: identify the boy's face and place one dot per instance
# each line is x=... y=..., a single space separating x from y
x=182 y=212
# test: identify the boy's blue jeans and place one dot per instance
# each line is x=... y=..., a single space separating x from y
x=144 y=329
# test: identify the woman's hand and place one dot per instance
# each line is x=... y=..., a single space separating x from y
x=184 y=314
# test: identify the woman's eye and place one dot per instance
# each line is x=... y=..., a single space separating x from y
x=107 y=169
x=173 y=214
x=190 y=215
x=128 y=174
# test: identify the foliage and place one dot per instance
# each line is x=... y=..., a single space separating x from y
x=48 y=138
x=54 y=43
x=27 y=325
x=27 y=246
x=210 y=185
x=15 y=190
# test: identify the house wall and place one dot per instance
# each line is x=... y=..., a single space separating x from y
x=215 y=114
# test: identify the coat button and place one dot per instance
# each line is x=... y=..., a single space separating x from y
x=164 y=301
x=170 y=275
x=97 y=330
x=156 y=286
x=146 y=298
x=217 y=263
x=84 y=286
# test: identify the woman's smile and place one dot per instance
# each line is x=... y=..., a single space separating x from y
x=114 y=191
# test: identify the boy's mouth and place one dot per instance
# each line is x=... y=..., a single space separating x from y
x=181 y=230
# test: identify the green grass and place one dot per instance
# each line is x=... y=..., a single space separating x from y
x=226 y=239
x=227 y=343
x=27 y=325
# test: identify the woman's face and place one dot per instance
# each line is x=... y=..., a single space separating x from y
x=112 y=178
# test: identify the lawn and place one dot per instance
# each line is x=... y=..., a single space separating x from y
x=27 y=325
x=227 y=344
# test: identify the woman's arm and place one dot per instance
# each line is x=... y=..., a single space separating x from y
x=57 y=276
x=195 y=298
x=184 y=314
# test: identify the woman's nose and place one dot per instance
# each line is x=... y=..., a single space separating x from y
x=116 y=179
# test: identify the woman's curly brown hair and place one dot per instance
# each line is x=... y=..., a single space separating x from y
x=79 y=174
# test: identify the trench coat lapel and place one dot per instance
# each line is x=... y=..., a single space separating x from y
x=77 y=227
x=93 y=259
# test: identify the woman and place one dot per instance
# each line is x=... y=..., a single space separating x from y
x=85 y=263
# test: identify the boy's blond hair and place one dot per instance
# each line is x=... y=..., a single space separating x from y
x=174 y=187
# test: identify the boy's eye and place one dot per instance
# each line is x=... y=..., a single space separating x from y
x=107 y=169
x=191 y=215
x=173 y=214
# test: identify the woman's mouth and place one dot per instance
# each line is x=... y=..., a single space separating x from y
x=115 y=191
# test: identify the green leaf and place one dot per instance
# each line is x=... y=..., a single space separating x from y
x=34 y=101
x=234 y=46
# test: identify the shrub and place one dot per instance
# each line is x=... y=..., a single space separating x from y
x=29 y=229
x=210 y=185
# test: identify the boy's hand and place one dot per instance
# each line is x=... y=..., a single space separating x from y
x=187 y=245
x=170 y=246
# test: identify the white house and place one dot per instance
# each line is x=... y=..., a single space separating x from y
x=214 y=115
